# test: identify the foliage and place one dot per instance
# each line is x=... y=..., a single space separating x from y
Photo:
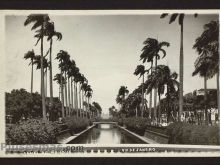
x=136 y=124
x=76 y=124
x=32 y=131
x=183 y=133
x=20 y=103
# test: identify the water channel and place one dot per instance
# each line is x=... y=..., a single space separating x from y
x=106 y=134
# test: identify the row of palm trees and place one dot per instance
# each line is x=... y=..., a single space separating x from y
x=72 y=98
x=74 y=87
x=161 y=79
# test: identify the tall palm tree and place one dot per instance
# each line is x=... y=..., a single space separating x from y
x=76 y=81
x=39 y=21
x=82 y=79
x=140 y=70
x=162 y=78
x=37 y=62
x=70 y=74
x=63 y=57
x=61 y=81
x=89 y=95
x=203 y=67
x=30 y=55
x=121 y=95
x=83 y=88
x=207 y=46
x=180 y=17
x=151 y=50
x=50 y=33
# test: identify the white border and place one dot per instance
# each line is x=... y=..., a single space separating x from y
x=3 y=13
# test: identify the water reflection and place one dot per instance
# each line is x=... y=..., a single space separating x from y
x=105 y=134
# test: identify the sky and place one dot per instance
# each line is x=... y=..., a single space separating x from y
x=106 y=48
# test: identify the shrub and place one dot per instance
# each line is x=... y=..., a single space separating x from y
x=136 y=124
x=76 y=124
x=184 y=133
x=32 y=131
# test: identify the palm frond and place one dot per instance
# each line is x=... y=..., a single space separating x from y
x=173 y=17
x=163 y=15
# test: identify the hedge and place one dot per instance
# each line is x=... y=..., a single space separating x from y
x=32 y=131
x=136 y=124
x=184 y=133
x=76 y=124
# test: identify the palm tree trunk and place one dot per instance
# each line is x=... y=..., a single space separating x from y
x=89 y=109
x=66 y=109
x=69 y=95
x=205 y=99
x=75 y=99
x=218 y=94
x=150 y=103
x=159 y=109
x=77 y=111
x=45 y=83
x=83 y=105
x=181 y=75
x=155 y=96
x=59 y=91
x=31 y=76
x=62 y=96
x=136 y=112
x=51 y=75
x=142 y=108
x=80 y=110
x=42 y=80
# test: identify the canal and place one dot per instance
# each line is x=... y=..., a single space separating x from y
x=106 y=134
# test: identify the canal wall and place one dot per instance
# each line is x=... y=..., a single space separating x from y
x=142 y=139
x=66 y=136
x=152 y=135
x=157 y=134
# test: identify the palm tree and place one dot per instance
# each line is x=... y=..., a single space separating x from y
x=82 y=79
x=207 y=46
x=203 y=67
x=39 y=21
x=70 y=74
x=162 y=78
x=98 y=108
x=83 y=88
x=63 y=57
x=37 y=61
x=50 y=32
x=61 y=81
x=121 y=95
x=150 y=51
x=30 y=55
x=76 y=80
x=140 y=70
x=89 y=95
x=181 y=20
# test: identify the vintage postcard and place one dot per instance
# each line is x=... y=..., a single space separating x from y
x=109 y=83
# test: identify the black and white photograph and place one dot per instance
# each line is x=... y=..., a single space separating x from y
x=115 y=78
